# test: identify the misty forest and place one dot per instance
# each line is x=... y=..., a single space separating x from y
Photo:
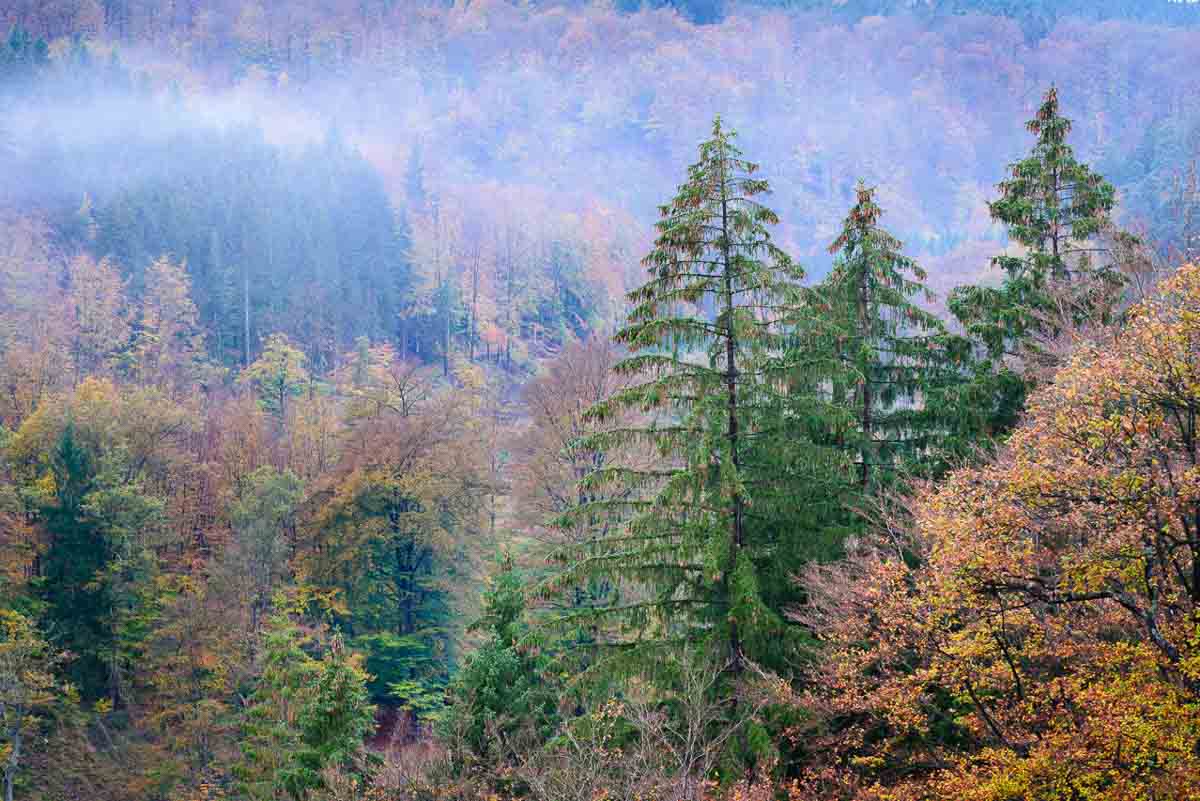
x=600 y=400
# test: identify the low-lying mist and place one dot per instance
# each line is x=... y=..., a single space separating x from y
x=519 y=114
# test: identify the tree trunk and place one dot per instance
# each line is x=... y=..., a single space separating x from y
x=446 y=331
x=246 y=314
x=473 y=331
x=731 y=378
x=868 y=449
x=10 y=770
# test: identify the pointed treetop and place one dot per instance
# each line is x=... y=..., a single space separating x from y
x=864 y=215
x=1047 y=121
x=1053 y=202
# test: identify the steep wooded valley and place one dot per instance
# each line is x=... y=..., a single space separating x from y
x=599 y=400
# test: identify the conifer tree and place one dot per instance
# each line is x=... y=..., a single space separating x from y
x=271 y=733
x=700 y=331
x=1053 y=206
x=96 y=571
x=333 y=724
x=865 y=343
x=506 y=685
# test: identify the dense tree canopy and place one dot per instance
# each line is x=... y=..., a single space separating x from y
x=323 y=332
x=1035 y=636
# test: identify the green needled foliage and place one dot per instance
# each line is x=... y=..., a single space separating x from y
x=506 y=689
x=1053 y=205
x=701 y=333
x=333 y=725
x=871 y=351
x=305 y=715
x=270 y=737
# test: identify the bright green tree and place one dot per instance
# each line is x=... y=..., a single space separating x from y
x=333 y=725
x=873 y=353
x=278 y=374
x=701 y=332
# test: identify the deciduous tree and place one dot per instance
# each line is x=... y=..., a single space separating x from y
x=168 y=346
x=278 y=374
x=96 y=297
x=28 y=689
x=1033 y=635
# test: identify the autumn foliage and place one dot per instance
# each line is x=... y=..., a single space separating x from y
x=1034 y=632
x=323 y=476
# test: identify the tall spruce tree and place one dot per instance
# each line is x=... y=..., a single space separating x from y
x=701 y=332
x=1053 y=206
x=864 y=344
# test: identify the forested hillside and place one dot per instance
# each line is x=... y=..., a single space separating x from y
x=597 y=400
x=1034 y=16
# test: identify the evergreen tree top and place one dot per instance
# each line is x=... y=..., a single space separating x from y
x=861 y=221
x=1047 y=124
x=871 y=266
x=713 y=246
x=1052 y=202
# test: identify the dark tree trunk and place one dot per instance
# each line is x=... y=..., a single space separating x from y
x=731 y=381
